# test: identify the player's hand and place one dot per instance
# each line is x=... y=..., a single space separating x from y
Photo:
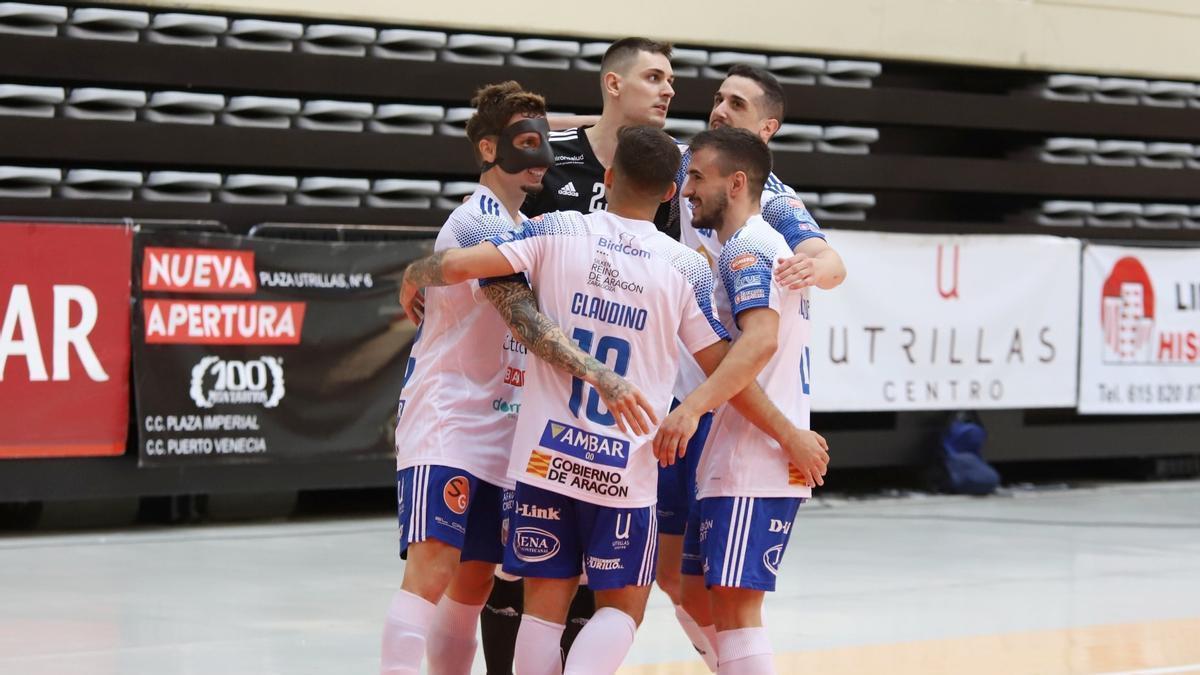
x=796 y=272
x=626 y=403
x=673 y=436
x=809 y=452
x=412 y=300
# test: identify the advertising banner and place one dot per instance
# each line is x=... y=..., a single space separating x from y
x=64 y=339
x=267 y=350
x=947 y=322
x=1140 y=346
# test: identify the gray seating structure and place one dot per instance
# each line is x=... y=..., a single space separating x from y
x=1070 y=88
x=180 y=186
x=264 y=112
x=720 y=62
x=682 y=129
x=24 y=100
x=100 y=103
x=331 y=191
x=403 y=118
x=796 y=137
x=543 y=53
x=195 y=30
x=28 y=182
x=327 y=115
x=590 y=55
x=403 y=193
x=850 y=73
x=1118 y=153
x=99 y=184
x=337 y=39
x=843 y=206
x=454 y=123
x=453 y=193
x=1064 y=213
x=473 y=48
x=1066 y=150
x=796 y=69
x=1166 y=155
x=103 y=23
x=274 y=36
x=183 y=107
x=405 y=43
x=261 y=189
x=1168 y=94
x=847 y=140
x=1114 y=214
x=1120 y=90
x=688 y=62
x=22 y=18
x=1162 y=216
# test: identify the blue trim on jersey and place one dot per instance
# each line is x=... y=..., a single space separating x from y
x=788 y=215
x=474 y=226
x=515 y=277
x=489 y=206
x=695 y=269
x=750 y=285
x=555 y=223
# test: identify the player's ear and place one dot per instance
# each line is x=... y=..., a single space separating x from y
x=670 y=193
x=768 y=129
x=738 y=185
x=487 y=149
x=611 y=84
x=608 y=179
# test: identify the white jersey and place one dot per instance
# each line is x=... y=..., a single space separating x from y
x=782 y=209
x=740 y=460
x=631 y=296
x=462 y=386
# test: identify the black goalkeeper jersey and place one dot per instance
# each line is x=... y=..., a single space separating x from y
x=576 y=181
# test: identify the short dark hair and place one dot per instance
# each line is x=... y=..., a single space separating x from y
x=774 y=101
x=621 y=53
x=495 y=104
x=737 y=150
x=647 y=158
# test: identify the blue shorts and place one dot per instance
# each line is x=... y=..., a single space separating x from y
x=739 y=542
x=556 y=537
x=454 y=507
x=677 y=483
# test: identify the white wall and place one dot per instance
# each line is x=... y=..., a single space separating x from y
x=1142 y=37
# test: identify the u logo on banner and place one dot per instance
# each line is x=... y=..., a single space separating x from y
x=950 y=292
x=623 y=534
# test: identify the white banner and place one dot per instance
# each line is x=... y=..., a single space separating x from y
x=1140 y=350
x=946 y=322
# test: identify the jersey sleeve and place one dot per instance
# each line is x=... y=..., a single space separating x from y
x=784 y=211
x=745 y=267
x=477 y=221
x=698 y=327
x=526 y=244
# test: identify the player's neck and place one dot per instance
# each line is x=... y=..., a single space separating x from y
x=736 y=217
x=631 y=208
x=603 y=137
x=511 y=196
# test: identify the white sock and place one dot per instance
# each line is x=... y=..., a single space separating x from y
x=450 y=648
x=408 y=621
x=698 y=637
x=538 y=651
x=710 y=632
x=602 y=644
x=745 y=651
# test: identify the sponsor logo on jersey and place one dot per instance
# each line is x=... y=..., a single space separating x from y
x=591 y=479
x=457 y=494
x=533 y=544
x=569 y=159
x=621 y=528
x=506 y=407
x=772 y=557
x=604 y=275
x=604 y=564
x=585 y=445
x=743 y=261
x=539 y=512
x=513 y=345
x=778 y=525
x=705 y=528
x=539 y=464
x=568 y=190
x=625 y=247
x=452 y=524
x=747 y=296
x=747 y=280
x=229 y=381
x=514 y=377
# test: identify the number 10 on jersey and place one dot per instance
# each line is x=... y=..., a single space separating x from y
x=605 y=347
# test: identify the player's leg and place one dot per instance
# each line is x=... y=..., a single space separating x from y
x=543 y=547
x=742 y=549
x=620 y=558
x=451 y=644
x=581 y=611
x=432 y=546
x=696 y=606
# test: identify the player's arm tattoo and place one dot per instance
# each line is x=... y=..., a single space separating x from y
x=518 y=307
x=426 y=271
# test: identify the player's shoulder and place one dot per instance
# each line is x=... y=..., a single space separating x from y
x=750 y=245
x=556 y=223
x=776 y=188
x=567 y=146
x=480 y=216
x=687 y=263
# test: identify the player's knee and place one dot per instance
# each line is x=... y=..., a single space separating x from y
x=669 y=581
x=473 y=583
x=430 y=570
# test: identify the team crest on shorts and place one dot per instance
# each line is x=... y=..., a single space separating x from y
x=772 y=557
x=457 y=494
x=533 y=544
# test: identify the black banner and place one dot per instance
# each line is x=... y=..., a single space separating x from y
x=267 y=350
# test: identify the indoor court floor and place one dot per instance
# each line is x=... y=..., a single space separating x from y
x=1091 y=580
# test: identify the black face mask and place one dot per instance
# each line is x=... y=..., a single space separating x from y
x=512 y=159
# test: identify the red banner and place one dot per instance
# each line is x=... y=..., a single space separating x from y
x=64 y=339
x=207 y=322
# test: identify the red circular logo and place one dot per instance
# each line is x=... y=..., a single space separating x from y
x=457 y=494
